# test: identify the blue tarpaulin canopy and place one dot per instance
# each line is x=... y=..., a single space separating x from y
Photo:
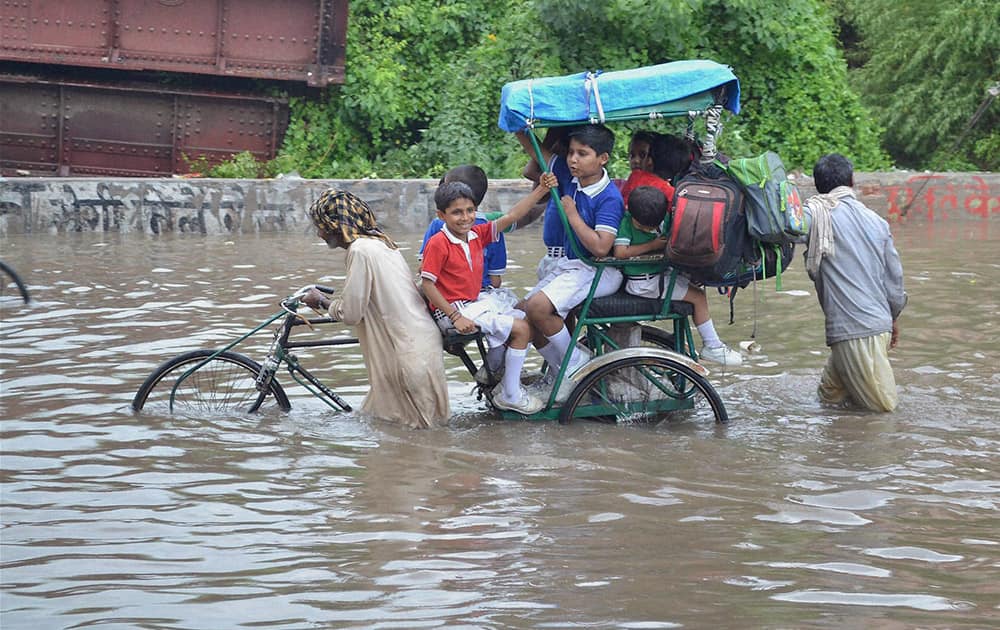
x=669 y=89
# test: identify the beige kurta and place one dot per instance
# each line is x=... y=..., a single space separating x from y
x=399 y=340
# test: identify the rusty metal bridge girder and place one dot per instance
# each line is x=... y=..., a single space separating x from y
x=291 y=40
x=53 y=127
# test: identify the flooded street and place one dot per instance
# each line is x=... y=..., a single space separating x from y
x=793 y=516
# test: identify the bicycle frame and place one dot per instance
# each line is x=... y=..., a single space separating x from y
x=282 y=345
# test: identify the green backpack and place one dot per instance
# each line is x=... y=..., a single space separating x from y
x=773 y=205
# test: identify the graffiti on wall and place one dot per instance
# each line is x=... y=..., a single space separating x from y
x=151 y=207
x=210 y=206
x=935 y=197
x=205 y=206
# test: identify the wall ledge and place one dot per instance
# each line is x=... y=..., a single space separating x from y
x=227 y=206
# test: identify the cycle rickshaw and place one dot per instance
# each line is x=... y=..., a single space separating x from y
x=650 y=381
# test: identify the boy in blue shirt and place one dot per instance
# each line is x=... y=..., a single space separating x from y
x=594 y=209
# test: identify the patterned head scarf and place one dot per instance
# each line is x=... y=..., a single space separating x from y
x=344 y=214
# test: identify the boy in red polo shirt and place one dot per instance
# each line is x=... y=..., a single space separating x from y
x=451 y=278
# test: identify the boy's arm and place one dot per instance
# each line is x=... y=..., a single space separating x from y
x=597 y=242
x=529 y=148
x=524 y=206
x=536 y=211
x=462 y=324
x=655 y=246
x=429 y=271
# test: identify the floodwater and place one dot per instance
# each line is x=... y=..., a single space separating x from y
x=793 y=516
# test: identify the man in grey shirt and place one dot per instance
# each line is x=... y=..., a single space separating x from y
x=851 y=259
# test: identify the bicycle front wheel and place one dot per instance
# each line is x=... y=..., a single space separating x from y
x=21 y=288
x=226 y=384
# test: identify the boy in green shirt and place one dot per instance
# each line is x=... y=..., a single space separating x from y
x=641 y=234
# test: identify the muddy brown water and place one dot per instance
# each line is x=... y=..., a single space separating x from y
x=795 y=515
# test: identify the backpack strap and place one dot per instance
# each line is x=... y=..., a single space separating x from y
x=777 y=264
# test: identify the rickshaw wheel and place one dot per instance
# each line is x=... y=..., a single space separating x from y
x=646 y=389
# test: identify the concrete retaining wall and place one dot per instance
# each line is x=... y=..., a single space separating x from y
x=222 y=206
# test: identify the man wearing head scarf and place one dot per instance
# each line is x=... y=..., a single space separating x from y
x=399 y=340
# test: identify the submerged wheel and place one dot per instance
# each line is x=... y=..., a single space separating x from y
x=22 y=289
x=224 y=384
x=644 y=388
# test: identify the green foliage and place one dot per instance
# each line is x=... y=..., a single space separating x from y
x=244 y=165
x=423 y=79
x=925 y=71
x=796 y=100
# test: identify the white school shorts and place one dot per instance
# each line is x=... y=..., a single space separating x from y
x=650 y=287
x=546 y=265
x=568 y=283
x=493 y=312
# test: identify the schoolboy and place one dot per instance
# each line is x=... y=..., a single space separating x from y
x=451 y=276
x=855 y=267
x=594 y=209
x=641 y=234
x=495 y=254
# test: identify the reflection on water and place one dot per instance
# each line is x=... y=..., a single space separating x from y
x=796 y=515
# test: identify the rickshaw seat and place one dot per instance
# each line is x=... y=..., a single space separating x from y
x=454 y=339
x=622 y=304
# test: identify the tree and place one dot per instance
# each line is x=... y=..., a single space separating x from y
x=925 y=69
x=423 y=79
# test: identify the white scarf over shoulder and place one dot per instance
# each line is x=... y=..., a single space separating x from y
x=821 y=237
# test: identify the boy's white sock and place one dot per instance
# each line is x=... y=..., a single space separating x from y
x=708 y=335
x=560 y=343
x=513 y=363
x=494 y=358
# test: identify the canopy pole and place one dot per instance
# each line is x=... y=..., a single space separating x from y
x=540 y=158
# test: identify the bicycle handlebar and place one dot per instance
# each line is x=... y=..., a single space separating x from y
x=309 y=287
x=290 y=303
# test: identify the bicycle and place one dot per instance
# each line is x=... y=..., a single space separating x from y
x=647 y=382
x=220 y=380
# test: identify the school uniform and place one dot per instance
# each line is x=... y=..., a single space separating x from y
x=553 y=232
x=494 y=254
x=567 y=282
x=639 y=177
x=646 y=280
x=456 y=268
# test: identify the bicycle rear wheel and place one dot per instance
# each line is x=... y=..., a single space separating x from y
x=6 y=269
x=644 y=388
x=226 y=384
